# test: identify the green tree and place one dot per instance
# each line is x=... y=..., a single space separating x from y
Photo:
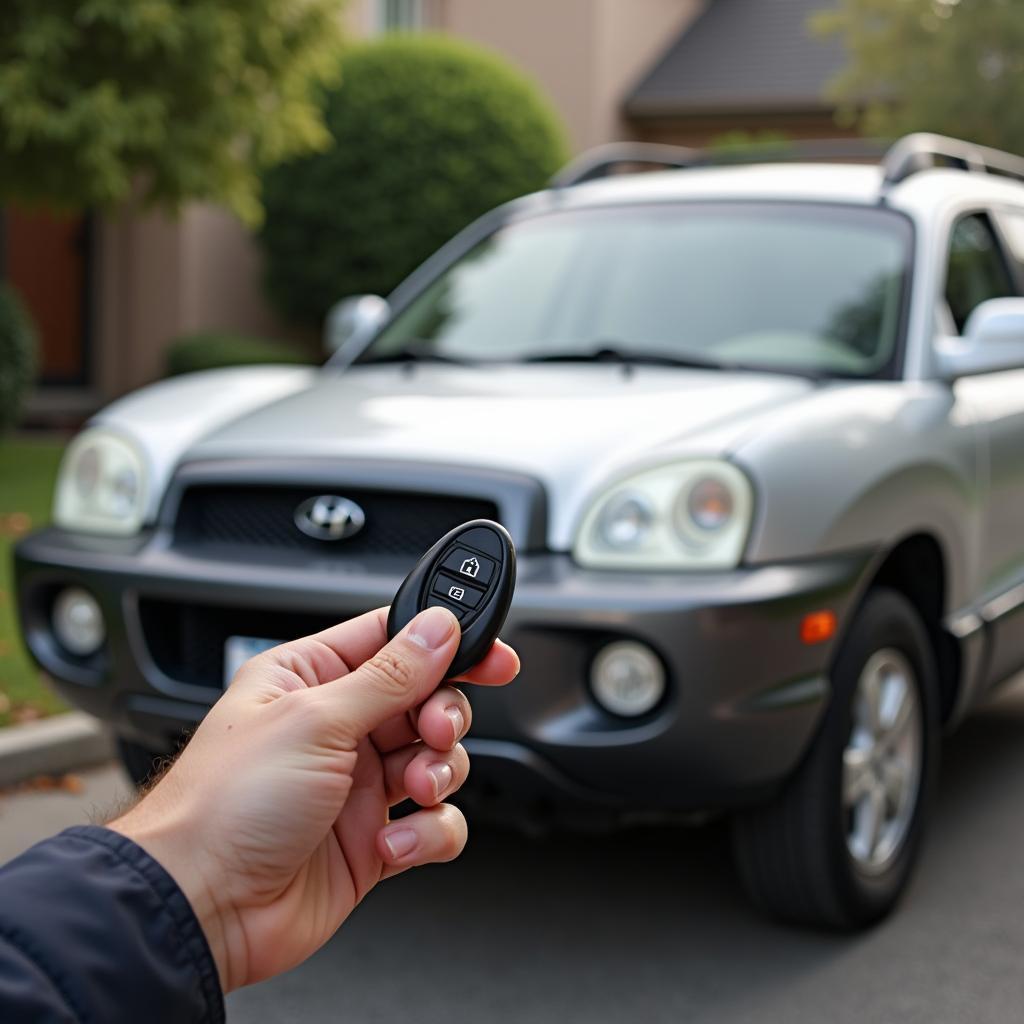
x=949 y=66
x=179 y=99
x=429 y=133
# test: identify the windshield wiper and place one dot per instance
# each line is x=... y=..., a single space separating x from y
x=639 y=357
x=416 y=352
x=627 y=357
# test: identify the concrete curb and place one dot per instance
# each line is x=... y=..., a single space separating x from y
x=53 y=746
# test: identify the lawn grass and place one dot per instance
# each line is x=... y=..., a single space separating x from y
x=28 y=467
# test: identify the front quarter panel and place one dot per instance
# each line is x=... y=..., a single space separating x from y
x=860 y=467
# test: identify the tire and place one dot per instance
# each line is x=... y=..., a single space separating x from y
x=809 y=858
x=143 y=765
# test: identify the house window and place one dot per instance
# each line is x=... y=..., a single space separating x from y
x=400 y=15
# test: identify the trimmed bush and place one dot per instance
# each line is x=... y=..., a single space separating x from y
x=211 y=349
x=17 y=356
x=430 y=132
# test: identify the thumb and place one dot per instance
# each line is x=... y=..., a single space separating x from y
x=401 y=675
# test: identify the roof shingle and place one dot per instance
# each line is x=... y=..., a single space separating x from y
x=740 y=55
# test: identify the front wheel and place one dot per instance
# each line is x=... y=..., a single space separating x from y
x=837 y=847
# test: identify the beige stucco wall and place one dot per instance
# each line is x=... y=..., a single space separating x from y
x=632 y=35
x=138 y=259
x=160 y=277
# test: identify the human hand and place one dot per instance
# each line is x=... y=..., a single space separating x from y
x=274 y=819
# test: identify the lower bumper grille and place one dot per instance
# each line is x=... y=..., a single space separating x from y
x=186 y=641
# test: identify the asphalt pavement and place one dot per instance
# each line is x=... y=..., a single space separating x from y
x=650 y=925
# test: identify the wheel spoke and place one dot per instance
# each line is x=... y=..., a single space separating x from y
x=871 y=696
x=894 y=777
x=896 y=709
x=856 y=774
x=871 y=815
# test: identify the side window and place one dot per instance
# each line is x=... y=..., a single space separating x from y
x=1012 y=224
x=977 y=268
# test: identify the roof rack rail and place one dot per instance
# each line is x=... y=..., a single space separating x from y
x=900 y=160
x=924 y=150
x=602 y=161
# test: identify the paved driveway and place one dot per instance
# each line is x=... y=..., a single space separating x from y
x=649 y=926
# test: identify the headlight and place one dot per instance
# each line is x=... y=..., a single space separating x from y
x=689 y=515
x=101 y=487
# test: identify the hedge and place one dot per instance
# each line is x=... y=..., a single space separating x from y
x=429 y=133
x=211 y=349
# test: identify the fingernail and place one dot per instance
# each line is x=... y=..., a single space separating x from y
x=458 y=722
x=441 y=774
x=400 y=842
x=432 y=627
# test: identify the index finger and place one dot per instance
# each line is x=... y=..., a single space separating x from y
x=500 y=665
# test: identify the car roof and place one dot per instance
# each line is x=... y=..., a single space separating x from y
x=803 y=182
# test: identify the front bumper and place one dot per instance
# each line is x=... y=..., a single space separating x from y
x=745 y=692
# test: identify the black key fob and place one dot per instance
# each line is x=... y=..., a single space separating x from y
x=471 y=571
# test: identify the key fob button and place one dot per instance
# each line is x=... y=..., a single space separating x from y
x=436 y=602
x=469 y=565
x=483 y=539
x=457 y=591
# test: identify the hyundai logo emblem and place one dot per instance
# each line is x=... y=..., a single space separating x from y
x=328 y=517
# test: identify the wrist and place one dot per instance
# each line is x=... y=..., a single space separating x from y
x=166 y=840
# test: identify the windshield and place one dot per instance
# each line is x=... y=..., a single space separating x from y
x=780 y=286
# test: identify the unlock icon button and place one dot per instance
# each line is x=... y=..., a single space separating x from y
x=468 y=565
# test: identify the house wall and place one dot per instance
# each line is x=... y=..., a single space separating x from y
x=159 y=278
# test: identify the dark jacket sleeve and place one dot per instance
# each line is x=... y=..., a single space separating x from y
x=92 y=929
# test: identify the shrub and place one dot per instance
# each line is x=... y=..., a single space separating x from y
x=430 y=132
x=211 y=349
x=17 y=356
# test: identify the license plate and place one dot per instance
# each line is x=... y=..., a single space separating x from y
x=239 y=649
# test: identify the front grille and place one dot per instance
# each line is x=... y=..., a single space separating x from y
x=253 y=517
x=186 y=641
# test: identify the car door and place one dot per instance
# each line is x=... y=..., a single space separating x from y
x=979 y=268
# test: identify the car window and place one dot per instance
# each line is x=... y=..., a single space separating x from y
x=977 y=268
x=1012 y=224
x=784 y=286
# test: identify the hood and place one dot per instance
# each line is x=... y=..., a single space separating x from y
x=573 y=427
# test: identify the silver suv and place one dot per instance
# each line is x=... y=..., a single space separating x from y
x=758 y=434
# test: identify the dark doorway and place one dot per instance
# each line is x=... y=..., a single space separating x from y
x=45 y=256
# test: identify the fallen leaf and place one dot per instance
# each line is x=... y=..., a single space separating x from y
x=71 y=783
x=25 y=713
x=18 y=522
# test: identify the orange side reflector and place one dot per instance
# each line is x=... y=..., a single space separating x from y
x=817 y=627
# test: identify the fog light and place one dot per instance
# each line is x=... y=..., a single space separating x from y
x=78 y=622
x=627 y=678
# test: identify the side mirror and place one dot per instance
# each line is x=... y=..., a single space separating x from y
x=353 y=321
x=993 y=339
